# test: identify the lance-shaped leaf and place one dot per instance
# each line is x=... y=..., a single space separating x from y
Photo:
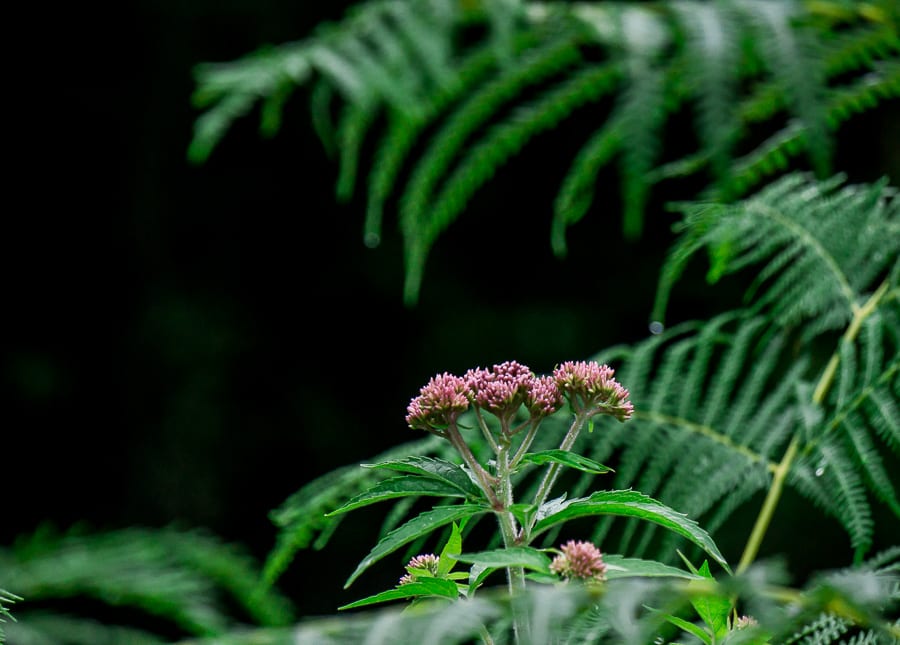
x=566 y=458
x=712 y=609
x=518 y=556
x=618 y=566
x=631 y=503
x=438 y=469
x=424 y=587
x=402 y=486
x=415 y=528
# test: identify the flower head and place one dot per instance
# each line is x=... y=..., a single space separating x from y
x=591 y=386
x=428 y=562
x=542 y=396
x=745 y=622
x=439 y=402
x=579 y=560
x=500 y=390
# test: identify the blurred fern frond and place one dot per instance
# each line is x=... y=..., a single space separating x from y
x=6 y=600
x=453 y=90
x=182 y=581
x=301 y=519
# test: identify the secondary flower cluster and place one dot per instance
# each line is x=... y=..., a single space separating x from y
x=580 y=560
x=589 y=385
x=428 y=562
x=504 y=388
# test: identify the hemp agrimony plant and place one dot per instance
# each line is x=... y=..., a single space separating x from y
x=509 y=404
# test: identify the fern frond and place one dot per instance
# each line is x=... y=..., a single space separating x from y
x=712 y=46
x=774 y=154
x=355 y=121
x=825 y=244
x=577 y=191
x=176 y=576
x=7 y=599
x=796 y=64
x=848 y=489
x=44 y=628
x=683 y=446
x=534 y=67
x=500 y=143
x=301 y=518
x=825 y=629
x=740 y=61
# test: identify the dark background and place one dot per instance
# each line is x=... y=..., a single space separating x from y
x=192 y=344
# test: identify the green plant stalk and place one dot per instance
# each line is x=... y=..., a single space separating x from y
x=484 y=479
x=553 y=471
x=825 y=381
x=525 y=445
x=515 y=575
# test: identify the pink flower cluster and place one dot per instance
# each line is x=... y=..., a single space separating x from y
x=439 y=402
x=500 y=390
x=505 y=387
x=591 y=385
x=580 y=560
x=428 y=562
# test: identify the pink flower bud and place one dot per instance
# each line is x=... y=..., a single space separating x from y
x=439 y=402
x=580 y=560
x=591 y=387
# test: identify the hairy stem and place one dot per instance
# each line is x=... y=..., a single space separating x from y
x=525 y=445
x=515 y=575
x=484 y=478
x=553 y=469
x=825 y=381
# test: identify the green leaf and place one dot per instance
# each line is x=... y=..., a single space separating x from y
x=631 y=503
x=517 y=556
x=424 y=587
x=618 y=566
x=566 y=458
x=402 y=486
x=414 y=528
x=688 y=627
x=439 y=469
x=711 y=608
x=447 y=558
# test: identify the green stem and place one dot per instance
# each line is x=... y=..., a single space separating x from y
x=484 y=479
x=825 y=381
x=525 y=445
x=515 y=575
x=553 y=470
x=486 y=431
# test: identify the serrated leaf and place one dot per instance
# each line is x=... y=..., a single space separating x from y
x=416 y=527
x=435 y=469
x=424 y=587
x=566 y=458
x=618 y=566
x=629 y=503
x=517 y=556
x=402 y=486
x=713 y=610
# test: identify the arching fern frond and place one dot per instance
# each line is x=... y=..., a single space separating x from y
x=301 y=519
x=440 y=75
x=7 y=599
x=181 y=579
x=713 y=409
x=821 y=245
